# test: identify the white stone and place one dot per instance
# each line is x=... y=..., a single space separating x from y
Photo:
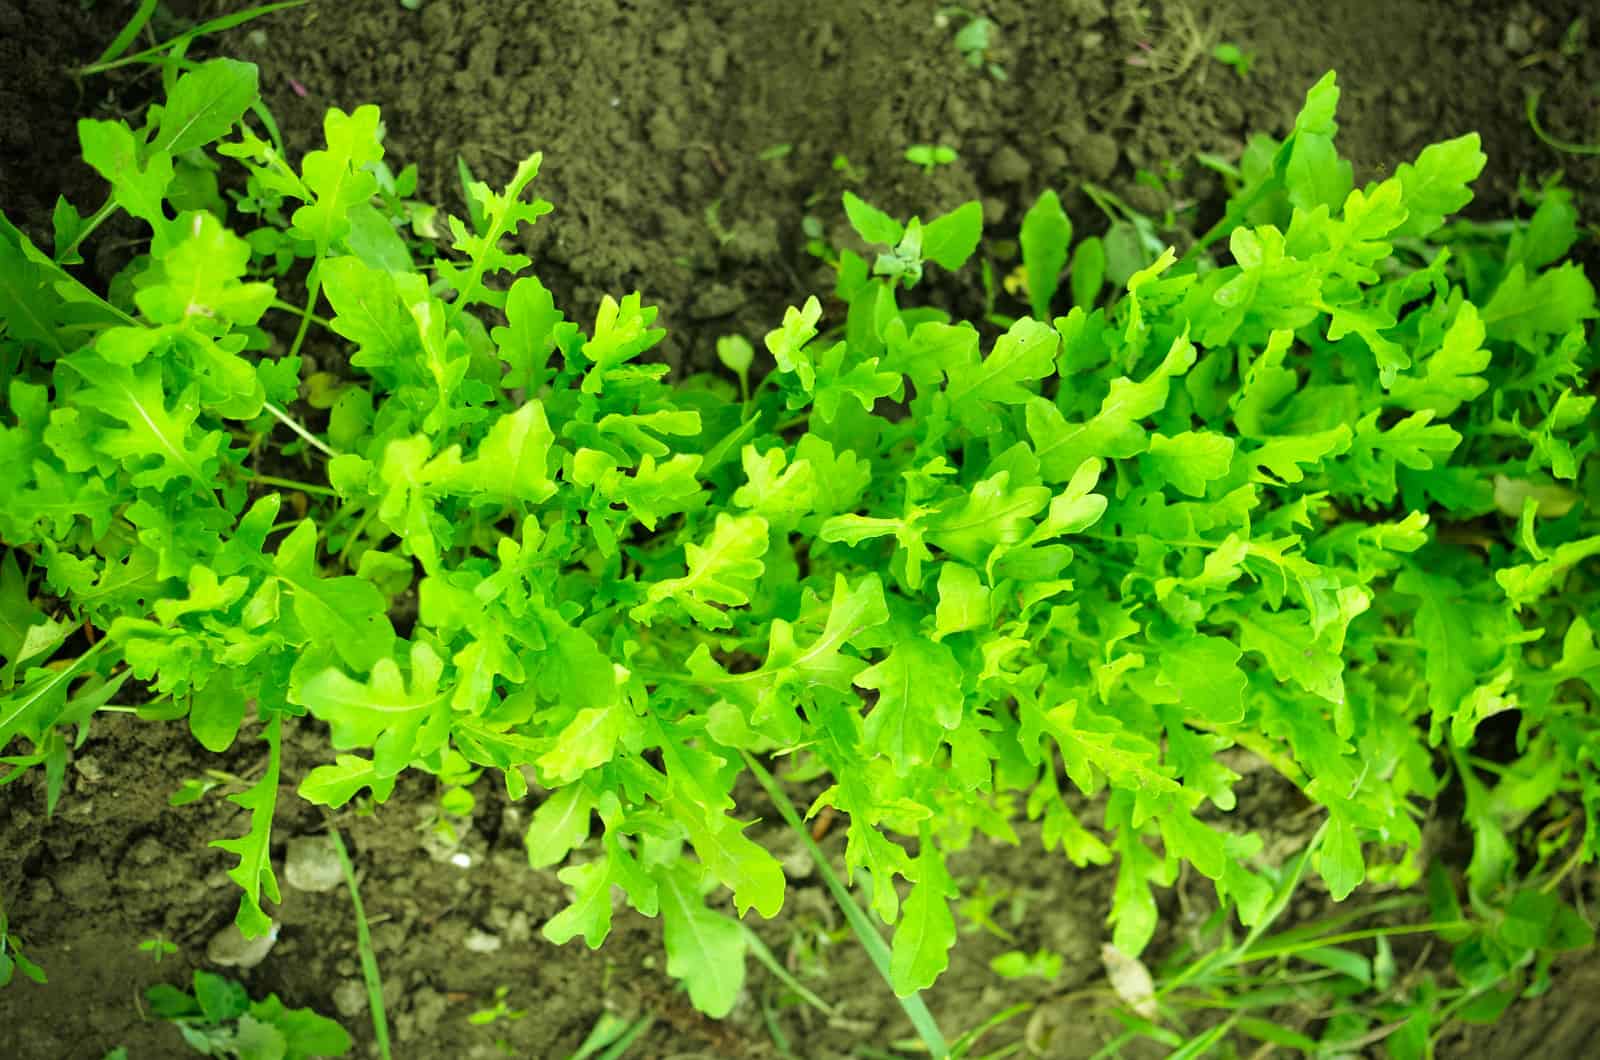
x=231 y=949
x=311 y=864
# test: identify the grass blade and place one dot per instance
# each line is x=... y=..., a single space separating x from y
x=120 y=44
x=369 y=959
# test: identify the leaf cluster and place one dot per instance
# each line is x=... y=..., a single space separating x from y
x=1324 y=501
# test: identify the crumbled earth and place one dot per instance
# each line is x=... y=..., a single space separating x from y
x=683 y=147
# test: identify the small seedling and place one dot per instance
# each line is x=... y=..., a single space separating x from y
x=928 y=156
x=736 y=355
x=848 y=171
x=973 y=40
x=484 y=1017
x=1017 y=964
x=500 y=1010
x=1234 y=56
x=713 y=218
x=775 y=153
x=11 y=958
x=196 y=788
x=158 y=948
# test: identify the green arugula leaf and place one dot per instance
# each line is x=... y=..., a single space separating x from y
x=254 y=872
x=1046 y=235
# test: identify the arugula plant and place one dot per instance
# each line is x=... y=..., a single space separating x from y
x=1326 y=499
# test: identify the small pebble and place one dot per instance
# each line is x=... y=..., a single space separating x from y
x=1097 y=155
x=231 y=949
x=350 y=998
x=1008 y=166
x=480 y=941
x=311 y=864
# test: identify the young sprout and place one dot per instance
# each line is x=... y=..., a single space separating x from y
x=930 y=155
x=1234 y=56
x=158 y=947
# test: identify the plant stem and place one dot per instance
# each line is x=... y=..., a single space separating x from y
x=921 y=1019
x=298 y=310
x=286 y=483
x=766 y=957
x=313 y=290
x=311 y=439
x=95 y=220
x=369 y=959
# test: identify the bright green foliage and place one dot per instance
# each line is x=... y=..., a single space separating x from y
x=1325 y=500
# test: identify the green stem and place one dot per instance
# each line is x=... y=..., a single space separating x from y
x=355 y=534
x=313 y=289
x=290 y=307
x=311 y=439
x=95 y=220
x=766 y=957
x=1560 y=145
x=286 y=483
x=916 y=1010
x=369 y=959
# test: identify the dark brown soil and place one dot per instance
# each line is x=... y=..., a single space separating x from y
x=651 y=115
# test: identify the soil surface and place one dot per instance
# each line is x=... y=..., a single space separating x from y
x=683 y=147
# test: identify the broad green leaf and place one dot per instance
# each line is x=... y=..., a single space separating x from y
x=1190 y=460
x=1088 y=271
x=1115 y=431
x=387 y=712
x=1436 y=185
x=137 y=185
x=338 y=177
x=204 y=104
x=927 y=929
x=367 y=311
x=1046 y=235
x=1339 y=858
x=157 y=443
x=871 y=223
x=534 y=329
x=722 y=573
x=1524 y=310
x=743 y=866
x=951 y=238
x=964 y=601
x=512 y=463
x=1205 y=672
x=560 y=824
x=588 y=741
x=589 y=914
x=704 y=948
x=1025 y=354
x=334 y=785
x=345 y=614
x=991 y=514
x=919 y=697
